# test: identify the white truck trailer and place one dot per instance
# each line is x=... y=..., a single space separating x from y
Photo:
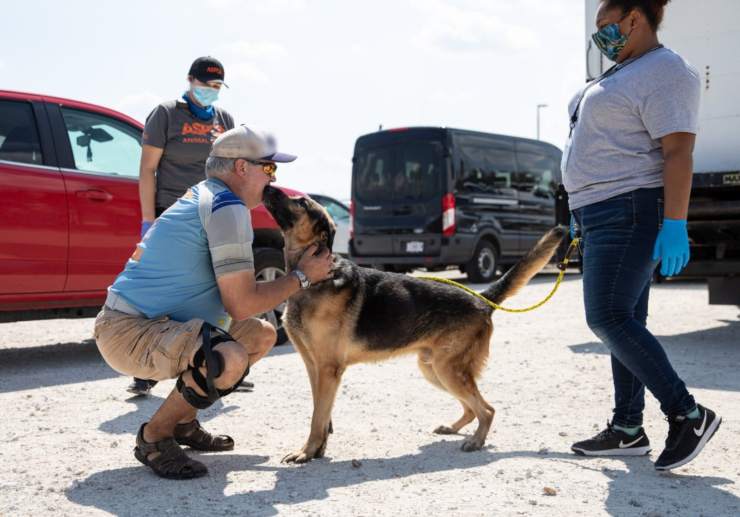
x=707 y=34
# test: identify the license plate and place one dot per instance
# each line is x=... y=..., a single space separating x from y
x=731 y=179
x=414 y=247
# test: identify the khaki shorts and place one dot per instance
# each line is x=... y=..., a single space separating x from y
x=155 y=349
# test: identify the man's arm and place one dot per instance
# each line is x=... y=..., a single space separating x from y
x=244 y=297
x=150 y=157
x=678 y=149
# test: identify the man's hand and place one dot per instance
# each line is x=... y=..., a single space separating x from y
x=316 y=267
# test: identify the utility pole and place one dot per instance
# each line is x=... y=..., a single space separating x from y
x=539 y=107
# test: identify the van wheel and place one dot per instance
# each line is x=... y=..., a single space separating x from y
x=269 y=264
x=482 y=267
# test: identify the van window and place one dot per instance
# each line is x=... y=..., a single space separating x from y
x=487 y=164
x=19 y=138
x=411 y=171
x=537 y=173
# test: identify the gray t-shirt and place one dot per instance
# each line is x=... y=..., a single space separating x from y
x=186 y=141
x=615 y=146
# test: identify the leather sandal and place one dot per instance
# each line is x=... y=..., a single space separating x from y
x=170 y=462
x=193 y=435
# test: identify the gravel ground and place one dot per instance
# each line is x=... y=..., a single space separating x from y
x=69 y=427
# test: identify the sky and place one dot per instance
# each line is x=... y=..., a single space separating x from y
x=316 y=73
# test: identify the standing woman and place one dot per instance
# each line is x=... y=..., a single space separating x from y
x=627 y=169
x=177 y=139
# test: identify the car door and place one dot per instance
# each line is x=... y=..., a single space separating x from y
x=34 y=227
x=536 y=183
x=340 y=214
x=101 y=156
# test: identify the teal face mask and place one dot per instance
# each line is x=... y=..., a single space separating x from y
x=205 y=95
x=610 y=41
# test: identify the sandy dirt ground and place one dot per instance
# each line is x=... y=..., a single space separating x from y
x=68 y=427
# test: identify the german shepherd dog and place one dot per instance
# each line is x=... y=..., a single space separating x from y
x=363 y=315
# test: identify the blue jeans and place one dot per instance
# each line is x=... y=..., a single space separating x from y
x=618 y=235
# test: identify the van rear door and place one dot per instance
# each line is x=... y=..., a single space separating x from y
x=397 y=187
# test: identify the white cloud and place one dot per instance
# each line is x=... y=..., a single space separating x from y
x=253 y=49
x=138 y=105
x=472 y=26
x=259 y=6
x=246 y=60
x=246 y=72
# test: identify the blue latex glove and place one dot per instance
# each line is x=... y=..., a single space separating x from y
x=145 y=225
x=672 y=247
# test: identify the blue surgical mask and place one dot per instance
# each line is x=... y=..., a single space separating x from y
x=610 y=41
x=205 y=95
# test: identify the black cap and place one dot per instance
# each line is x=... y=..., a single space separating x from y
x=206 y=69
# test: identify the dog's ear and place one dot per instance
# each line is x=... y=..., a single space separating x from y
x=330 y=239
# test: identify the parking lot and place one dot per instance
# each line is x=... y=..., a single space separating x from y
x=69 y=427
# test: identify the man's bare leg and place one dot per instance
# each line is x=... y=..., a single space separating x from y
x=176 y=410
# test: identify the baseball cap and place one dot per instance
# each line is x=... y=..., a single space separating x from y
x=253 y=144
x=206 y=69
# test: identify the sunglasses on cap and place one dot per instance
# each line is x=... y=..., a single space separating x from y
x=268 y=168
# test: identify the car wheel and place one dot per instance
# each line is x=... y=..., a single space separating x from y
x=482 y=267
x=269 y=265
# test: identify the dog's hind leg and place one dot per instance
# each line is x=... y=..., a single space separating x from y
x=327 y=382
x=425 y=365
x=460 y=382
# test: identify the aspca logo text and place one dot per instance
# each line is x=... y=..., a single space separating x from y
x=196 y=128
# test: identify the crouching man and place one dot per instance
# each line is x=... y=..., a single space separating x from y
x=193 y=274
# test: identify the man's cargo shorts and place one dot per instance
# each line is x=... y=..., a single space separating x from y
x=155 y=349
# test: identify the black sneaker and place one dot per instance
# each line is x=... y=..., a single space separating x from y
x=612 y=442
x=141 y=387
x=687 y=437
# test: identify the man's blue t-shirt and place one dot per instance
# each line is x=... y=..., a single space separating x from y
x=205 y=234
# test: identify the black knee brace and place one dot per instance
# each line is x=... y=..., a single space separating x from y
x=215 y=365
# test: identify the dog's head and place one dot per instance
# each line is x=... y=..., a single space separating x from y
x=302 y=220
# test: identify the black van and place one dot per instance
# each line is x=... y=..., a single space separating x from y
x=437 y=197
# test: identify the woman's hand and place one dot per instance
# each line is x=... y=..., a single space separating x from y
x=672 y=247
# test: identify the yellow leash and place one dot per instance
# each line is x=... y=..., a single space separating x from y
x=562 y=266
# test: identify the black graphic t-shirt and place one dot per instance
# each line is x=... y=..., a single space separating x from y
x=186 y=141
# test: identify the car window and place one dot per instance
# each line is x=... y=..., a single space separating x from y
x=487 y=164
x=19 y=137
x=102 y=144
x=537 y=173
x=336 y=211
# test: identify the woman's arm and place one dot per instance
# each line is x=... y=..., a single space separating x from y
x=150 y=157
x=678 y=149
x=672 y=244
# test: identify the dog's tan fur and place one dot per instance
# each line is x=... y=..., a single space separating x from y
x=323 y=323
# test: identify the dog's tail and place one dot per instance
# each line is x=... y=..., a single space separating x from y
x=523 y=271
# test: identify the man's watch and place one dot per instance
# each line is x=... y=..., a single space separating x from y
x=302 y=278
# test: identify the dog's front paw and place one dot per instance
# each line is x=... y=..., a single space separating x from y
x=472 y=444
x=443 y=429
x=298 y=457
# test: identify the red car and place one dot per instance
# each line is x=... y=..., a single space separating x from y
x=70 y=207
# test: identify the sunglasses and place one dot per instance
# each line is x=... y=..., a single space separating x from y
x=268 y=168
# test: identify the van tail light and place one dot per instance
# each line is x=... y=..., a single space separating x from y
x=351 y=219
x=448 y=215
